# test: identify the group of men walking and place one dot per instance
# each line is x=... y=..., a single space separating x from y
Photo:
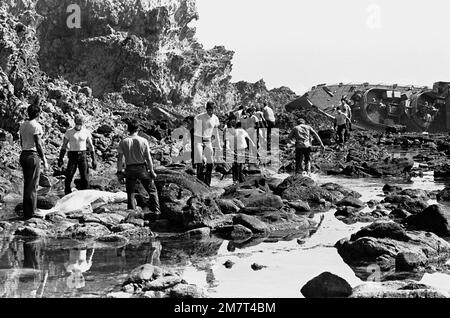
x=134 y=158
x=78 y=145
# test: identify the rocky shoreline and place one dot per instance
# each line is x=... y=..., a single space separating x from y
x=147 y=62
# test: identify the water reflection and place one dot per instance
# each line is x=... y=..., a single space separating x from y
x=55 y=268
x=80 y=261
x=25 y=276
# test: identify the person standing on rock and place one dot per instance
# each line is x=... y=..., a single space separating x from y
x=250 y=121
x=78 y=141
x=260 y=115
x=341 y=123
x=269 y=116
x=31 y=133
x=241 y=143
x=138 y=166
x=347 y=110
x=206 y=126
x=302 y=135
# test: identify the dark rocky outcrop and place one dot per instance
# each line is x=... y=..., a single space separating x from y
x=186 y=201
x=351 y=215
x=443 y=195
x=435 y=218
x=251 y=222
x=327 y=285
x=383 y=243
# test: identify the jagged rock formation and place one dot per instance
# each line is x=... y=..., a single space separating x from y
x=145 y=49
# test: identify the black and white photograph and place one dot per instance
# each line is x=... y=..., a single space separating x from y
x=238 y=151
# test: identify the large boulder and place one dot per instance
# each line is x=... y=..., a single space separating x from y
x=344 y=191
x=314 y=195
x=186 y=201
x=381 y=243
x=352 y=202
x=87 y=230
x=402 y=201
x=443 y=195
x=251 y=222
x=235 y=232
x=228 y=206
x=199 y=213
x=351 y=215
x=264 y=201
x=391 y=166
x=327 y=285
x=293 y=181
x=142 y=273
x=435 y=218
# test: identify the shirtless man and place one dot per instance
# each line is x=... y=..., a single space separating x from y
x=78 y=141
x=206 y=125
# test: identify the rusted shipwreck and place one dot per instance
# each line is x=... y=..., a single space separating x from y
x=416 y=109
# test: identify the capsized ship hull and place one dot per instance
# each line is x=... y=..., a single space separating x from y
x=382 y=106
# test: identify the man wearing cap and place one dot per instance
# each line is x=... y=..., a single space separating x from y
x=77 y=141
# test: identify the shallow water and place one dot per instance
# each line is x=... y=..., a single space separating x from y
x=61 y=270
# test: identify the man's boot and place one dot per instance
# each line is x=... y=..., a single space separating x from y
x=208 y=173
x=200 y=173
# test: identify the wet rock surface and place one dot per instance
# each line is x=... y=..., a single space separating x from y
x=434 y=219
x=388 y=244
x=149 y=281
x=397 y=289
x=142 y=60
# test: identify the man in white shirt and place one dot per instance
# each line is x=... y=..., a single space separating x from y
x=241 y=140
x=206 y=126
x=302 y=134
x=269 y=116
x=347 y=110
x=78 y=141
x=31 y=133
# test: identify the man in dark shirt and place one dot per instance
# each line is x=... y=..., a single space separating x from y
x=302 y=134
x=139 y=166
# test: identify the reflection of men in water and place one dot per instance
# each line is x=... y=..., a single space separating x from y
x=31 y=255
x=154 y=253
x=80 y=261
x=205 y=126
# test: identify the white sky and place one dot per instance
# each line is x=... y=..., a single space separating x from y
x=300 y=44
